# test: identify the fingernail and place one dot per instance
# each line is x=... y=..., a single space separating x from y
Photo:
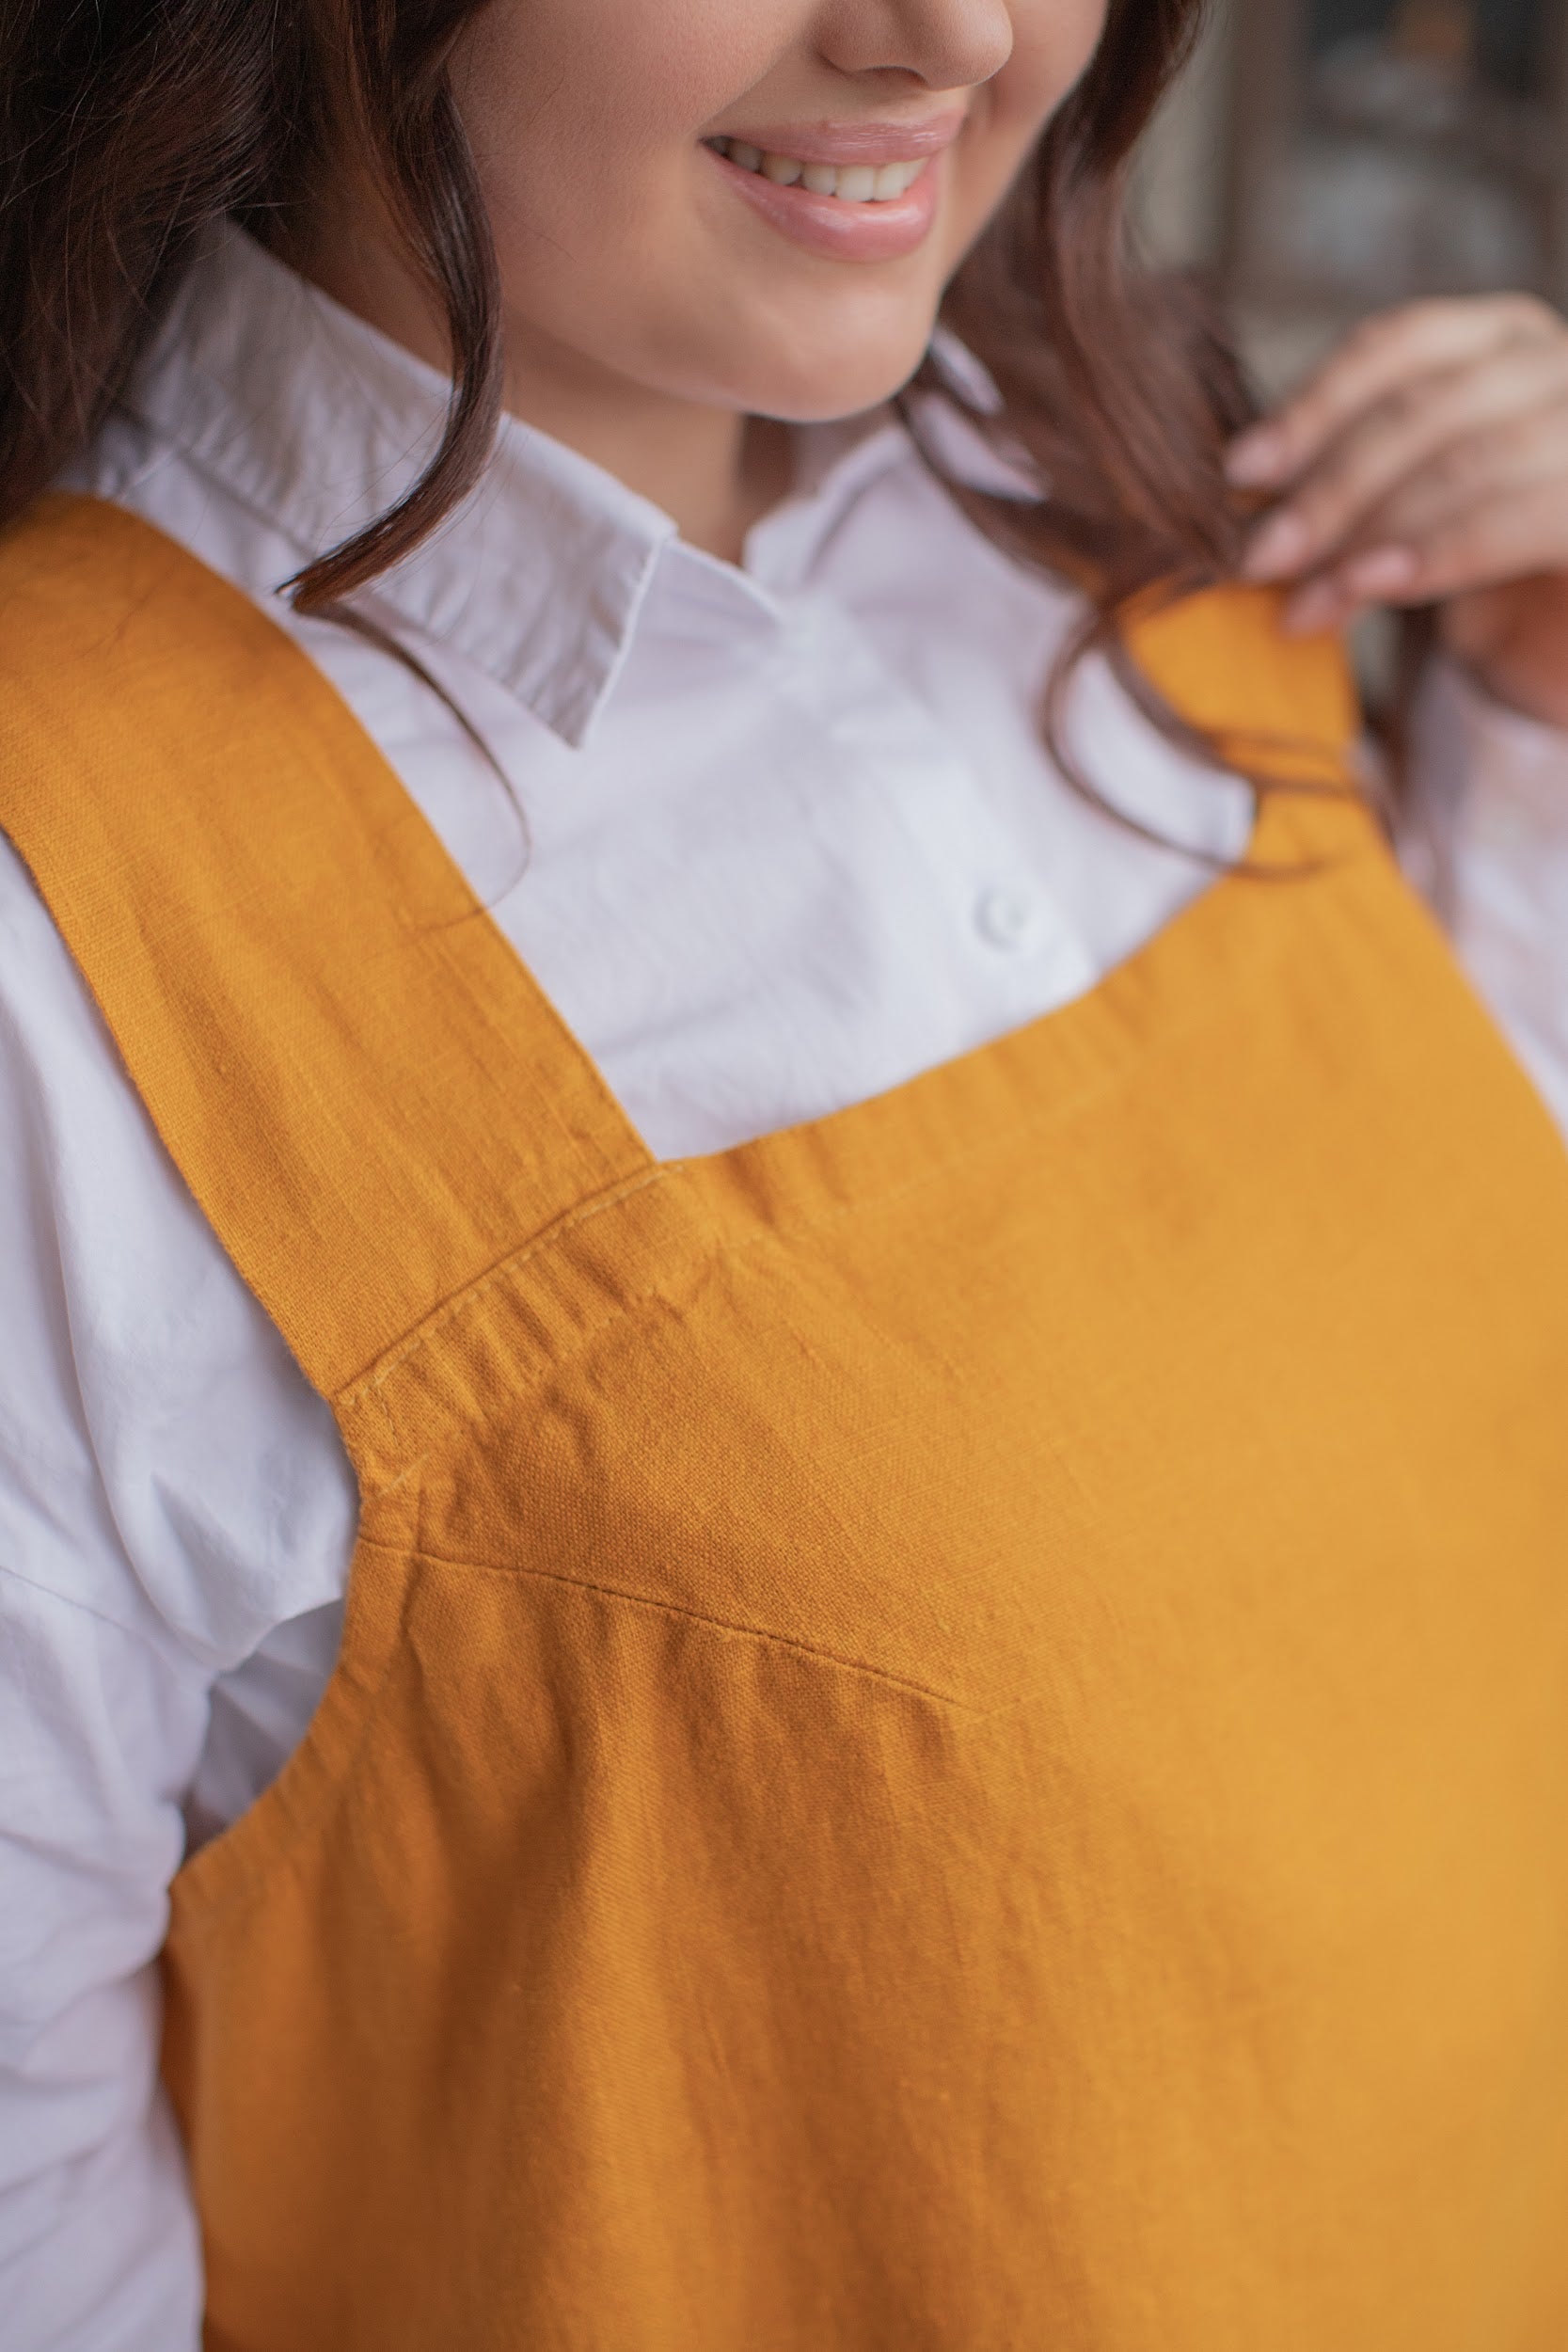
x=1383 y=572
x=1312 y=610
x=1254 y=458
x=1281 y=547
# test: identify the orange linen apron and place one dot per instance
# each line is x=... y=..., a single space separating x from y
x=953 y=1732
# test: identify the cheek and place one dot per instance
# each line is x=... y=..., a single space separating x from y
x=1054 y=44
x=575 y=106
x=1053 y=41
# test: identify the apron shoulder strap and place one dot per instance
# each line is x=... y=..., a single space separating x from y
x=1279 y=707
x=1223 y=661
x=364 y=1089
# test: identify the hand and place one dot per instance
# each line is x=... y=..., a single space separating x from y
x=1427 y=463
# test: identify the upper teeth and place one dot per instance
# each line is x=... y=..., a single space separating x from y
x=860 y=183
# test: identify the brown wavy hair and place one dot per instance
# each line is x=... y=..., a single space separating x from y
x=127 y=126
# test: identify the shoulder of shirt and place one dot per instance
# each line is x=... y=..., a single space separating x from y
x=132 y=466
x=145 y=1403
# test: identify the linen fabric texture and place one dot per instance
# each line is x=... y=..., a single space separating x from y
x=951 y=1729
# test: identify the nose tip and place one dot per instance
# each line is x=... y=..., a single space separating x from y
x=983 y=36
x=951 y=47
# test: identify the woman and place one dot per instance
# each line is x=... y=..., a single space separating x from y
x=948 y=1413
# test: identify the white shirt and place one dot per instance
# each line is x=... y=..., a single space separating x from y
x=790 y=838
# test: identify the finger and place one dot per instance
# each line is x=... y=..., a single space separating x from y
x=1423 y=338
x=1505 y=539
x=1471 y=472
x=1404 y=435
x=1509 y=538
x=1334 y=600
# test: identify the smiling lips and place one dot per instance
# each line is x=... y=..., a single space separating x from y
x=851 y=183
x=866 y=192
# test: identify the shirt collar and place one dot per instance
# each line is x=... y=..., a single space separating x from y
x=541 y=576
x=538 y=577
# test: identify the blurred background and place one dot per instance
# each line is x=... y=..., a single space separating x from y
x=1325 y=158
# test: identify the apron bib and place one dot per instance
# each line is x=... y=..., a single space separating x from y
x=953 y=1726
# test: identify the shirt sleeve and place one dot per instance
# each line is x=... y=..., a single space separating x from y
x=98 y=2242
x=1484 y=835
x=172 y=1493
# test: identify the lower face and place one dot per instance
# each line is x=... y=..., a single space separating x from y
x=753 y=207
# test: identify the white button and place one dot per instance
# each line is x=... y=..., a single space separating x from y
x=1008 y=918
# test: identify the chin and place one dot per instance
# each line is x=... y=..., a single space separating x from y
x=829 y=389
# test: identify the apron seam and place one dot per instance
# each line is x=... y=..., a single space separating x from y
x=370 y=1383
x=371 y=1386
x=764 y=1636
